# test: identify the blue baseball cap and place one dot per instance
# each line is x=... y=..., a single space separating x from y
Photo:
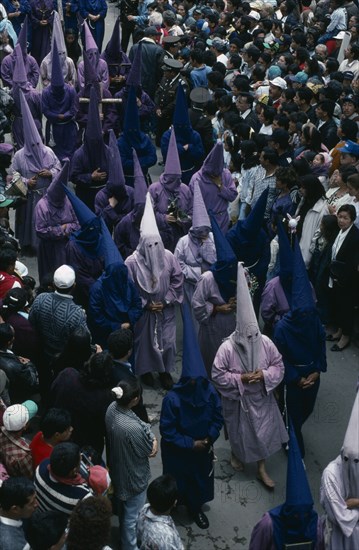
x=350 y=148
x=300 y=77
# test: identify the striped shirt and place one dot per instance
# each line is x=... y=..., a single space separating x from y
x=53 y=495
x=129 y=444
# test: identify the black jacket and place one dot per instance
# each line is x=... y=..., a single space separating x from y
x=23 y=378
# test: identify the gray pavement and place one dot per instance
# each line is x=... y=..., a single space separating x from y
x=240 y=500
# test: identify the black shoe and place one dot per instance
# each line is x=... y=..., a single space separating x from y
x=166 y=380
x=201 y=520
x=148 y=379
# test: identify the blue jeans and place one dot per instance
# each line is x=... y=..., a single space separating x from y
x=127 y=513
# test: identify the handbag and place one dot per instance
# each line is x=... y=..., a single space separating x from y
x=16 y=187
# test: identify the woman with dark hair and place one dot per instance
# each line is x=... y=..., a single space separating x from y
x=343 y=280
x=312 y=67
x=90 y=524
x=338 y=192
x=311 y=140
x=301 y=57
x=312 y=207
x=86 y=395
x=14 y=310
x=77 y=351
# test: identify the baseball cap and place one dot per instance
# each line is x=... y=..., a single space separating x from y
x=279 y=82
x=350 y=147
x=64 y=277
x=254 y=15
x=15 y=418
x=274 y=71
x=5 y=201
x=301 y=77
x=284 y=40
x=31 y=407
x=348 y=75
x=151 y=31
x=339 y=36
x=217 y=43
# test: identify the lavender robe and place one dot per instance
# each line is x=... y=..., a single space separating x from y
x=155 y=333
x=31 y=67
x=252 y=417
x=70 y=77
x=217 y=199
x=343 y=524
x=113 y=215
x=127 y=235
x=33 y=99
x=41 y=10
x=101 y=71
x=51 y=252
x=62 y=131
x=213 y=328
x=171 y=232
x=194 y=259
x=274 y=303
x=24 y=220
x=262 y=535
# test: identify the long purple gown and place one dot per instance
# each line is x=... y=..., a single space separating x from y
x=155 y=333
x=113 y=216
x=62 y=132
x=213 y=328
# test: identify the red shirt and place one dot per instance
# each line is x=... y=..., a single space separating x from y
x=39 y=449
x=7 y=282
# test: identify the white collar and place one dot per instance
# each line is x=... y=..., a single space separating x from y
x=11 y=522
x=246 y=113
x=64 y=295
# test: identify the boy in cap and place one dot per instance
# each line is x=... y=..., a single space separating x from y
x=15 y=453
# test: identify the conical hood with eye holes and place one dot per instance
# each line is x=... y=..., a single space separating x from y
x=113 y=47
x=55 y=193
x=57 y=77
x=34 y=149
x=200 y=216
x=213 y=164
x=90 y=43
x=19 y=75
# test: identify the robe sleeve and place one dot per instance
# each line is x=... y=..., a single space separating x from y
x=169 y=422
x=217 y=418
x=268 y=303
x=229 y=190
x=202 y=307
x=334 y=504
x=55 y=166
x=191 y=273
x=274 y=373
x=174 y=294
x=195 y=148
x=43 y=228
x=33 y=72
x=96 y=310
x=81 y=75
x=105 y=77
x=227 y=380
x=262 y=534
x=136 y=310
x=147 y=105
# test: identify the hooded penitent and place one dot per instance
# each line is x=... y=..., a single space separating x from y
x=57 y=77
x=59 y=39
x=91 y=46
x=225 y=269
x=89 y=237
x=213 y=164
x=285 y=262
x=295 y=521
x=171 y=177
x=134 y=76
x=34 y=149
x=150 y=251
x=22 y=38
x=247 y=338
x=181 y=121
x=116 y=179
x=113 y=52
x=140 y=190
x=94 y=148
x=19 y=75
x=55 y=193
x=201 y=227
x=131 y=128
x=350 y=454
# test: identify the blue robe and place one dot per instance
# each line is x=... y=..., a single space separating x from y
x=146 y=153
x=190 y=413
x=41 y=10
x=97 y=28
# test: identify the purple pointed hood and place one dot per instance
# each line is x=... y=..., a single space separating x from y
x=113 y=49
x=90 y=75
x=59 y=39
x=34 y=149
x=94 y=147
x=116 y=178
x=57 y=78
x=214 y=162
x=89 y=39
x=140 y=185
x=19 y=75
x=171 y=177
x=134 y=76
x=200 y=216
x=55 y=193
x=22 y=38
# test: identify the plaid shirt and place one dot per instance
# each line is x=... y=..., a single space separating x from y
x=15 y=454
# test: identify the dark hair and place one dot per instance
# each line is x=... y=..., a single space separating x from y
x=249 y=154
x=349 y=209
x=197 y=55
x=313 y=67
x=216 y=79
x=331 y=64
x=97 y=372
x=353 y=181
x=349 y=129
x=330 y=227
x=283 y=121
x=209 y=57
x=327 y=106
x=268 y=113
x=270 y=155
x=64 y=458
x=14 y=301
x=241 y=83
x=162 y=493
x=45 y=528
x=219 y=67
x=259 y=71
x=313 y=138
x=305 y=94
x=287 y=175
x=90 y=524
x=266 y=58
x=8 y=257
x=131 y=388
x=313 y=187
x=15 y=491
x=301 y=166
x=55 y=421
x=235 y=60
x=355 y=48
x=76 y=352
x=346 y=171
x=6 y=334
x=299 y=38
x=120 y=342
x=302 y=55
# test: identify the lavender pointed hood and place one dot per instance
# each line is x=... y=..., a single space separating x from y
x=140 y=185
x=200 y=216
x=22 y=38
x=134 y=76
x=214 y=162
x=171 y=177
x=19 y=75
x=113 y=49
x=55 y=193
x=116 y=178
x=89 y=39
x=34 y=149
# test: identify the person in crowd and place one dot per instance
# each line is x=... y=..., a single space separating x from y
x=246 y=370
x=15 y=452
x=18 y=502
x=86 y=395
x=55 y=428
x=42 y=17
x=99 y=65
x=90 y=524
x=31 y=66
x=117 y=61
x=187 y=442
x=46 y=529
x=159 y=279
x=95 y=13
x=8 y=278
x=155 y=526
x=130 y=444
x=152 y=59
x=77 y=351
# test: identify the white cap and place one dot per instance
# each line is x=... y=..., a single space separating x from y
x=279 y=81
x=64 y=277
x=339 y=36
x=254 y=15
x=15 y=418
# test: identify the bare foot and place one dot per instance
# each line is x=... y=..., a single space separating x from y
x=343 y=342
x=265 y=479
x=236 y=464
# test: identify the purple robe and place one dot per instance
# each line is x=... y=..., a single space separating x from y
x=62 y=131
x=274 y=303
x=127 y=235
x=252 y=417
x=41 y=10
x=51 y=252
x=31 y=67
x=155 y=333
x=217 y=199
x=113 y=215
x=108 y=111
x=171 y=232
x=24 y=221
x=87 y=270
x=213 y=328
x=81 y=172
x=33 y=99
x=262 y=535
x=101 y=71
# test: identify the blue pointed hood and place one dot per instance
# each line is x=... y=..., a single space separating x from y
x=254 y=221
x=22 y=38
x=116 y=179
x=132 y=120
x=286 y=261
x=181 y=120
x=302 y=294
x=134 y=76
x=192 y=362
x=298 y=491
x=82 y=211
x=57 y=78
x=108 y=249
x=225 y=268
